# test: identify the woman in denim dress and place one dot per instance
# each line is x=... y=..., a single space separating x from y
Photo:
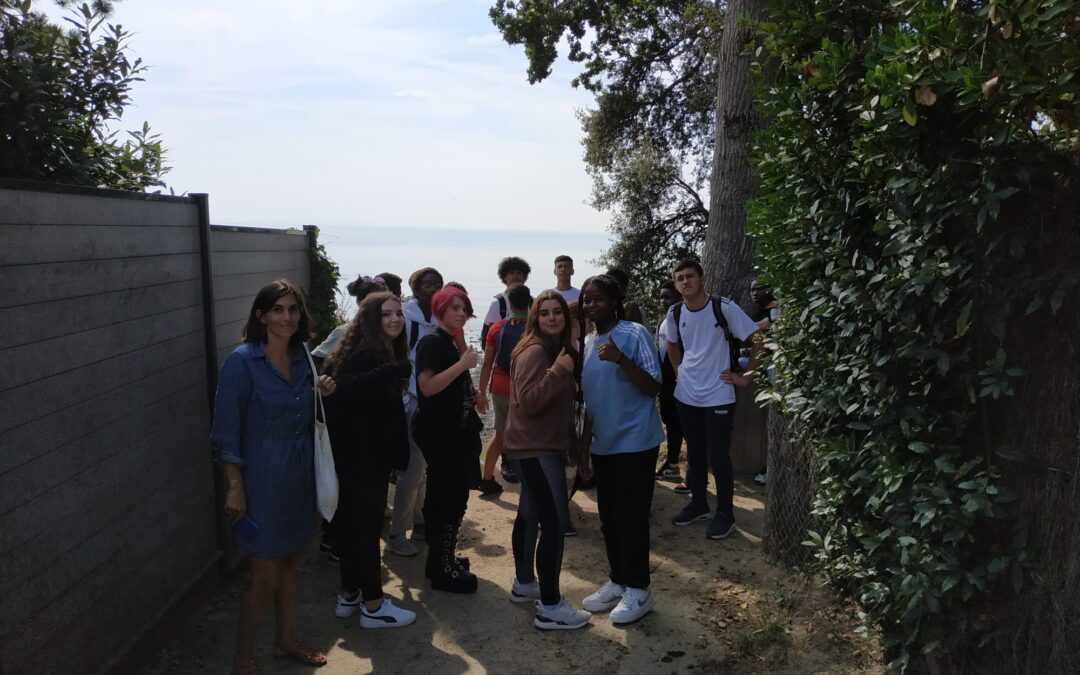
x=263 y=437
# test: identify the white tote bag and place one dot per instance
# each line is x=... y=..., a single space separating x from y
x=326 y=480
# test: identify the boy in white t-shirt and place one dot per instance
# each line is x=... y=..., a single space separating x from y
x=564 y=271
x=698 y=330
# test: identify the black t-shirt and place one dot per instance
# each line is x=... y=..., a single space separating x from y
x=446 y=410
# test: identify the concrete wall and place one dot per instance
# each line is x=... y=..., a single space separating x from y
x=107 y=358
x=244 y=260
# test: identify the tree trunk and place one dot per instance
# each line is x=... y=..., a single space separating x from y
x=729 y=253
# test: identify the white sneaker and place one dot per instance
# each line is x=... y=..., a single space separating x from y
x=400 y=545
x=388 y=615
x=347 y=606
x=560 y=617
x=520 y=592
x=635 y=603
x=604 y=599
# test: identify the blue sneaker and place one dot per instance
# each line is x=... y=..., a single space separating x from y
x=692 y=513
x=721 y=526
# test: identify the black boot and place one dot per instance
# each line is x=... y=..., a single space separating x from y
x=449 y=575
x=461 y=560
x=434 y=556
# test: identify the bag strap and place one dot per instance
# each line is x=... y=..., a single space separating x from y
x=414 y=333
x=502 y=306
x=315 y=379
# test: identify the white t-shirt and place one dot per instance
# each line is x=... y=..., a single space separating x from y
x=661 y=340
x=493 y=314
x=415 y=315
x=705 y=352
x=570 y=295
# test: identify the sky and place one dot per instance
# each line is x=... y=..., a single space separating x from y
x=345 y=113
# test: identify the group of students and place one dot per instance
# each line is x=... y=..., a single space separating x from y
x=572 y=382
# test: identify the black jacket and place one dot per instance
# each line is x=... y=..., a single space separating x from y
x=366 y=416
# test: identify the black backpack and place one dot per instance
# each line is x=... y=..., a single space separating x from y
x=509 y=336
x=734 y=345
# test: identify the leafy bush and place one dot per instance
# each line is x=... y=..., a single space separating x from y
x=910 y=179
x=61 y=92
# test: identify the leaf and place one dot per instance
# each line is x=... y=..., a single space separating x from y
x=911 y=116
x=990 y=86
x=1007 y=30
x=918 y=447
x=893 y=247
x=925 y=96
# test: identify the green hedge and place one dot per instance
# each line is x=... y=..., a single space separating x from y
x=913 y=151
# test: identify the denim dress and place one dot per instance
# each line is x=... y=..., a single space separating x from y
x=263 y=424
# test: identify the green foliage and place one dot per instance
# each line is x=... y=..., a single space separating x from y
x=61 y=92
x=913 y=153
x=648 y=140
x=323 y=293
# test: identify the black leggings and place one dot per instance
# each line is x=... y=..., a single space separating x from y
x=542 y=508
x=624 y=492
x=357 y=528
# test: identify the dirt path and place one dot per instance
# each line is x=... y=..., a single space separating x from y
x=719 y=606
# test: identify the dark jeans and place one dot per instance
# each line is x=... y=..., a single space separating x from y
x=543 y=509
x=708 y=444
x=669 y=414
x=449 y=470
x=624 y=492
x=357 y=527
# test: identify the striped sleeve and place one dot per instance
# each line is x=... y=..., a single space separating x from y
x=645 y=355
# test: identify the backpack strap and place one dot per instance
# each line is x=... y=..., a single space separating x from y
x=414 y=333
x=502 y=305
x=722 y=323
x=676 y=313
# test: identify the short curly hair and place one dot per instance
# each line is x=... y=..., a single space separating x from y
x=513 y=264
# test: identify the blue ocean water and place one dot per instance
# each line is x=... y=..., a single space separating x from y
x=468 y=256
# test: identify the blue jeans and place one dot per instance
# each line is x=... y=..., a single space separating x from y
x=708 y=444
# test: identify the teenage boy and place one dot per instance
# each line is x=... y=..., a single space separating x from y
x=513 y=271
x=669 y=411
x=699 y=331
x=564 y=270
x=410 y=486
x=495 y=375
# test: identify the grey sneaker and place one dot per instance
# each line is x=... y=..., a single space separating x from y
x=692 y=513
x=520 y=592
x=721 y=526
x=560 y=617
x=400 y=545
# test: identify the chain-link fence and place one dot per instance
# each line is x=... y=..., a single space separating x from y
x=789 y=493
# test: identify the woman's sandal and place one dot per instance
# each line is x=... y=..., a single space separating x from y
x=250 y=667
x=309 y=656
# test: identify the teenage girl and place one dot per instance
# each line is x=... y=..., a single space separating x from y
x=366 y=420
x=620 y=380
x=538 y=437
x=447 y=429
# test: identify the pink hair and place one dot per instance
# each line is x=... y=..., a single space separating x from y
x=440 y=302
